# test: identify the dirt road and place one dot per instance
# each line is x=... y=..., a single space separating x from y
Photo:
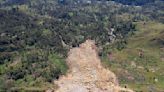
x=86 y=74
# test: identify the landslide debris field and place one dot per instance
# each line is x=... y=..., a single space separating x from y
x=86 y=73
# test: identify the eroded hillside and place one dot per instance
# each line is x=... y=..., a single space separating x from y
x=86 y=73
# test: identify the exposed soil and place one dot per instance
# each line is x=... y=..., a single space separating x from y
x=86 y=74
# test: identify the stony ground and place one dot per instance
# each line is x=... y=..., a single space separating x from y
x=86 y=73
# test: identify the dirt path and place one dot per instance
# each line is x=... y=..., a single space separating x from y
x=86 y=73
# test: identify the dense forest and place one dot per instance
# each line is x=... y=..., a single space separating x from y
x=135 y=2
x=35 y=35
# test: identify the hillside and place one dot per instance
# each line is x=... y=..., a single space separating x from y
x=135 y=2
x=36 y=35
x=142 y=59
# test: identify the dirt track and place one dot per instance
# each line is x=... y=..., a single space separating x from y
x=86 y=73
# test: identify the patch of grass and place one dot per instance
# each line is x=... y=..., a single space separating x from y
x=140 y=73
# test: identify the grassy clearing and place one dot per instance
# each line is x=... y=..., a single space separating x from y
x=140 y=73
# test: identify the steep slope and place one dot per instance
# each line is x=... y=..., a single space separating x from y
x=86 y=73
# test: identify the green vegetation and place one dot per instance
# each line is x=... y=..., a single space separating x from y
x=140 y=65
x=32 y=69
x=135 y=2
x=35 y=36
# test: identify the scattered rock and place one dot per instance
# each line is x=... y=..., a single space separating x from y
x=49 y=90
x=162 y=59
x=133 y=64
x=86 y=73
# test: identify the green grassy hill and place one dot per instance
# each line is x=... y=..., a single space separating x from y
x=140 y=64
